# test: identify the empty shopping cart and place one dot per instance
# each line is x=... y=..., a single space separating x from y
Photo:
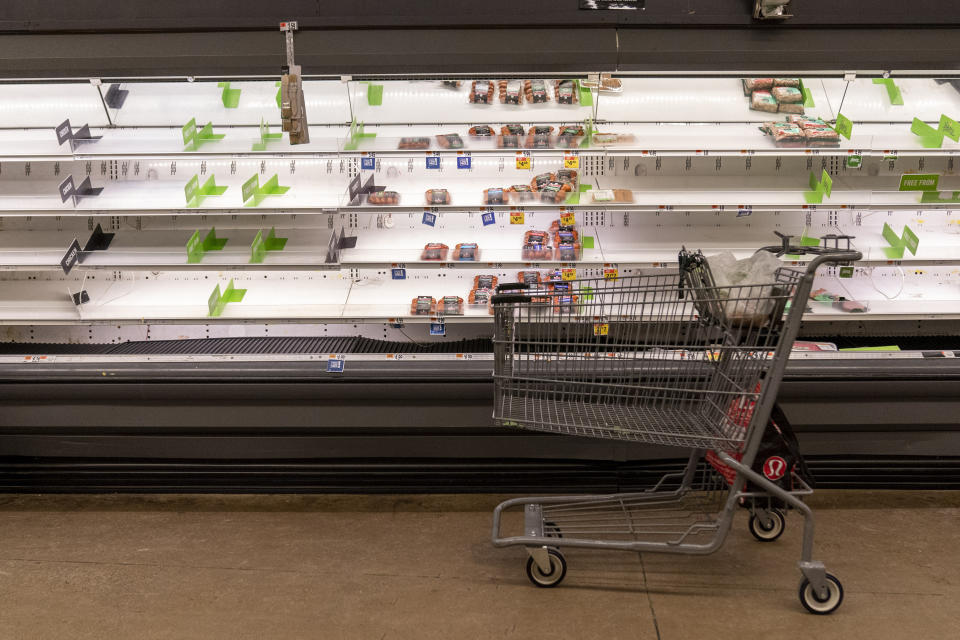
x=667 y=359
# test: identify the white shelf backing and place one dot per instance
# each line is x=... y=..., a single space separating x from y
x=429 y=101
x=175 y=103
x=48 y=104
x=868 y=102
x=693 y=100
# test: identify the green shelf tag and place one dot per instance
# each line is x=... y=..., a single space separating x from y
x=854 y=161
x=253 y=193
x=587 y=242
x=265 y=136
x=844 y=126
x=195 y=193
x=807 y=95
x=196 y=248
x=193 y=137
x=931 y=197
x=229 y=97
x=950 y=128
x=374 y=95
x=846 y=272
x=893 y=91
x=930 y=138
x=261 y=245
x=217 y=301
x=919 y=182
x=586 y=95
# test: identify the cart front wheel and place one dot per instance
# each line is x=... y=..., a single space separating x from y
x=770 y=531
x=558 y=569
x=821 y=606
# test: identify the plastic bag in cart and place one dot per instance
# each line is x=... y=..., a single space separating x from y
x=749 y=305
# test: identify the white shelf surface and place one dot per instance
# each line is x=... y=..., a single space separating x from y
x=865 y=101
x=33 y=250
x=47 y=105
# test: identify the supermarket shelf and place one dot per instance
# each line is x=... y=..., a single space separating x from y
x=47 y=105
x=868 y=102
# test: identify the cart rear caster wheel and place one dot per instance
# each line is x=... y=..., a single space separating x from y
x=771 y=531
x=558 y=569
x=814 y=604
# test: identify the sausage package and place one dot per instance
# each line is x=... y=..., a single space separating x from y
x=381 y=198
x=423 y=306
x=536 y=91
x=434 y=251
x=414 y=143
x=481 y=92
x=451 y=306
x=436 y=197
x=494 y=195
x=466 y=252
x=565 y=91
x=511 y=91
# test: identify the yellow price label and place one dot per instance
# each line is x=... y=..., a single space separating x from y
x=571 y=161
x=516 y=217
x=567 y=219
x=611 y=274
x=568 y=274
x=602 y=329
x=523 y=162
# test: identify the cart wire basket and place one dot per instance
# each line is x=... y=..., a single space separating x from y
x=667 y=359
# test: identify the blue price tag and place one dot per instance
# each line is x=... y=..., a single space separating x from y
x=398 y=274
x=433 y=162
x=463 y=162
x=488 y=218
x=335 y=365
x=438 y=329
x=368 y=163
x=429 y=219
x=744 y=211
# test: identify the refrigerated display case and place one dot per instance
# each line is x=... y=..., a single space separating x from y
x=173 y=270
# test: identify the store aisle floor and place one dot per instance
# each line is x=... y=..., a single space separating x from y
x=391 y=567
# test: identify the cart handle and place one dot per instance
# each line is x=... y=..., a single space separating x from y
x=838 y=257
x=513 y=286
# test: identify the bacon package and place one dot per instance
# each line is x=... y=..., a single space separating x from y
x=423 y=306
x=434 y=251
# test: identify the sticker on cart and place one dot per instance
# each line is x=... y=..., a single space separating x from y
x=774 y=468
x=463 y=162
x=488 y=218
x=568 y=274
x=398 y=274
x=429 y=219
x=567 y=219
x=601 y=329
x=571 y=161
x=516 y=217
x=433 y=162
x=368 y=163
x=438 y=329
x=335 y=365
x=523 y=161
x=611 y=274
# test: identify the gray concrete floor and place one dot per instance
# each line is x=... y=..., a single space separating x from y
x=390 y=567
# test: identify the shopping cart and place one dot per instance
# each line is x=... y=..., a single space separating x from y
x=668 y=359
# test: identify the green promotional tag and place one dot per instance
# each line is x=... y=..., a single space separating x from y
x=844 y=126
x=919 y=181
x=827 y=182
x=190 y=189
x=950 y=128
x=910 y=240
x=189 y=132
x=893 y=91
x=854 y=162
x=213 y=301
x=930 y=138
x=846 y=272
x=250 y=188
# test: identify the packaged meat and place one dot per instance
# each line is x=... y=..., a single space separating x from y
x=600 y=139
x=536 y=91
x=466 y=252
x=602 y=195
x=451 y=84
x=612 y=195
x=494 y=195
x=540 y=137
x=786 y=107
x=566 y=175
x=541 y=179
x=554 y=192
x=786 y=134
x=485 y=282
x=569 y=136
x=481 y=131
x=763 y=101
x=753 y=84
x=481 y=92
x=822 y=137
x=565 y=304
x=450 y=141
x=565 y=91
x=512 y=130
x=556 y=226
x=381 y=198
x=788 y=95
x=436 y=197
x=511 y=91
x=451 y=306
x=536 y=246
x=786 y=82
x=423 y=306
x=565 y=235
x=520 y=193
x=414 y=143
x=434 y=251
x=509 y=141
x=481 y=297
x=529 y=277
x=567 y=252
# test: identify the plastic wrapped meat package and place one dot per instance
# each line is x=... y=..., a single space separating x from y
x=763 y=101
x=750 y=305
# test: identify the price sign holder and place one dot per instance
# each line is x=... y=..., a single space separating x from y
x=908 y=240
x=69 y=191
x=567 y=218
x=194 y=137
x=115 y=96
x=229 y=97
x=262 y=244
x=197 y=247
x=217 y=301
x=893 y=91
x=65 y=133
x=253 y=193
x=195 y=193
x=265 y=136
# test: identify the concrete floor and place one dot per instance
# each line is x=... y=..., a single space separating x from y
x=387 y=567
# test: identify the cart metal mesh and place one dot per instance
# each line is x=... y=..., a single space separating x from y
x=666 y=359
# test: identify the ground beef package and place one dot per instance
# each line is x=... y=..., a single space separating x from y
x=763 y=101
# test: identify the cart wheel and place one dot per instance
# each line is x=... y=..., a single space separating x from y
x=814 y=604
x=770 y=532
x=554 y=529
x=558 y=569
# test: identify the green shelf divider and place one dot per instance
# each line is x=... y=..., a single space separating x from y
x=585 y=95
x=265 y=136
x=355 y=135
x=195 y=193
x=807 y=95
x=893 y=91
x=262 y=244
x=907 y=241
x=278 y=95
x=930 y=138
x=933 y=197
x=949 y=127
x=819 y=188
x=374 y=95
x=194 y=137
x=196 y=247
x=217 y=301
x=574 y=198
x=844 y=126
x=229 y=97
x=253 y=193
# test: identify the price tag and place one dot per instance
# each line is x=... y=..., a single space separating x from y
x=744 y=211
x=568 y=274
x=523 y=161
x=433 y=162
x=601 y=329
x=368 y=164
x=567 y=219
x=463 y=162
x=335 y=365
x=950 y=128
x=611 y=274
x=429 y=219
x=846 y=272
x=516 y=217
x=571 y=161
x=398 y=274
x=488 y=218
x=438 y=329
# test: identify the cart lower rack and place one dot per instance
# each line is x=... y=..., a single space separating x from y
x=669 y=359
